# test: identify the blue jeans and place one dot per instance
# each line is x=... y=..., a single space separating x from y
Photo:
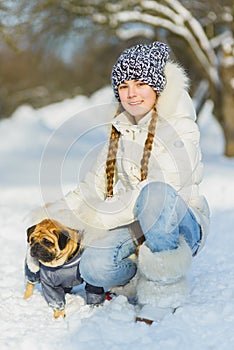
x=163 y=216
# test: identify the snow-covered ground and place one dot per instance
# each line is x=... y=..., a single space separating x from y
x=42 y=155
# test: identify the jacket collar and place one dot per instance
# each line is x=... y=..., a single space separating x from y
x=124 y=122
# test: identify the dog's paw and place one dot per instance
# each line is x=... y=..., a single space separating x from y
x=28 y=290
x=58 y=313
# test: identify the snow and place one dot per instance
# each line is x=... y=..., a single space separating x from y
x=40 y=156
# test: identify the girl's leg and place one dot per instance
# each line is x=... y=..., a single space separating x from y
x=164 y=216
x=172 y=235
x=106 y=263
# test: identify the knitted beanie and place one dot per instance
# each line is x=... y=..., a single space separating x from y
x=142 y=62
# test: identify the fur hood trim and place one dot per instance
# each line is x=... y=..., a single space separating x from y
x=165 y=266
x=177 y=82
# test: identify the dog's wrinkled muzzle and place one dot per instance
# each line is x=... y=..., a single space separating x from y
x=41 y=253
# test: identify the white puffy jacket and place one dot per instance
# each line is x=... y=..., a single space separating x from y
x=175 y=159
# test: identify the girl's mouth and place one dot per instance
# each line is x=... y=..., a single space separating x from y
x=135 y=103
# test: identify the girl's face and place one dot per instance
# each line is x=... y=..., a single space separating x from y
x=137 y=98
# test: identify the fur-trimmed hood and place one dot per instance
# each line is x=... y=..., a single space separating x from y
x=177 y=84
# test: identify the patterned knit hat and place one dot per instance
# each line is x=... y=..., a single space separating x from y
x=141 y=62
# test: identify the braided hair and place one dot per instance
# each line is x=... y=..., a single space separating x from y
x=148 y=145
x=113 y=148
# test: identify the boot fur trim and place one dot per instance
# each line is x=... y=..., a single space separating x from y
x=165 y=266
x=164 y=296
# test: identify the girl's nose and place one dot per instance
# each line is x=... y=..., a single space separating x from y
x=131 y=91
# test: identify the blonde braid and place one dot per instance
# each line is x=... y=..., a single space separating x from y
x=111 y=157
x=148 y=145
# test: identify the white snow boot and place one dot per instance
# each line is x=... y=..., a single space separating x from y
x=162 y=286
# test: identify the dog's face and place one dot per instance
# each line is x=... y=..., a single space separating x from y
x=51 y=242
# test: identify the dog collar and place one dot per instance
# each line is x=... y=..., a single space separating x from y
x=73 y=254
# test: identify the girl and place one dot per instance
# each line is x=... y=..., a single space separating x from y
x=144 y=188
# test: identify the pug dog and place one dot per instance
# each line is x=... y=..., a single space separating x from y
x=58 y=250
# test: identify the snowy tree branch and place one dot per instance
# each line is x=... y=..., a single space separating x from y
x=182 y=17
x=183 y=31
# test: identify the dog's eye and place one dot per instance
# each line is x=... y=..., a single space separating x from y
x=47 y=243
x=32 y=240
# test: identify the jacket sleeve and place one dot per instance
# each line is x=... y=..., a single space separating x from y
x=53 y=291
x=31 y=268
x=32 y=277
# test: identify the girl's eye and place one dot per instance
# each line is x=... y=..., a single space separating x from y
x=122 y=87
x=141 y=84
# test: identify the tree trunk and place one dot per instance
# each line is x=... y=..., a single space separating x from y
x=227 y=103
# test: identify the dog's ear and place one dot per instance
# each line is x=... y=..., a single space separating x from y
x=63 y=238
x=30 y=230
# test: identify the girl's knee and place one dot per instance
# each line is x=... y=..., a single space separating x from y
x=154 y=194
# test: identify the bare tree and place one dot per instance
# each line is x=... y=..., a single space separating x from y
x=205 y=28
x=214 y=54
x=6 y=26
